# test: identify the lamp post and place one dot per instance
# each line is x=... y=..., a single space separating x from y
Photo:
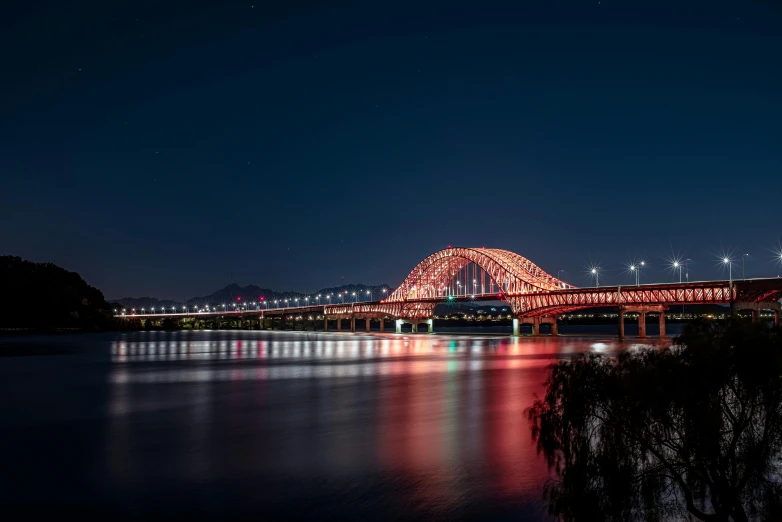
x=743 y=257
x=635 y=271
x=678 y=266
x=595 y=272
x=729 y=262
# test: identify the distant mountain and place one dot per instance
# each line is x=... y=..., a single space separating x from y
x=146 y=302
x=252 y=293
x=44 y=295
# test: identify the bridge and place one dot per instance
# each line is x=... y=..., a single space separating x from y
x=534 y=296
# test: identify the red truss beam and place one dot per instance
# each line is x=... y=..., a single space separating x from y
x=558 y=302
x=510 y=272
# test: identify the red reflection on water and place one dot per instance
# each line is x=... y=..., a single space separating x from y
x=448 y=431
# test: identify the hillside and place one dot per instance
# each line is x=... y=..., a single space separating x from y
x=44 y=295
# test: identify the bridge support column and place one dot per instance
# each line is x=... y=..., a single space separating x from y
x=776 y=318
x=641 y=324
x=621 y=324
x=367 y=320
x=339 y=323
x=662 y=324
x=398 y=325
x=415 y=328
x=554 y=330
x=515 y=327
x=755 y=316
x=536 y=326
x=325 y=324
x=430 y=322
x=382 y=325
x=352 y=323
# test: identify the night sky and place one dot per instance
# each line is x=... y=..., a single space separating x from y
x=168 y=148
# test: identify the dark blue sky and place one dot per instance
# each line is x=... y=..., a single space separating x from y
x=159 y=147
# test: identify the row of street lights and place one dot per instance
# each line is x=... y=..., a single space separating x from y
x=679 y=265
x=278 y=303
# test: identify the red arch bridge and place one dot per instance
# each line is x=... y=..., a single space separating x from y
x=534 y=296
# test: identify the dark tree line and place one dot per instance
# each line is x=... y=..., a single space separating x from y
x=43 y=295
x=693 y=431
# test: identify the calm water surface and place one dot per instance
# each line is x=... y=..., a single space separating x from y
x=243 y=425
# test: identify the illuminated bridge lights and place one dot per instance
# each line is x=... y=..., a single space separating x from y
x=493 y=274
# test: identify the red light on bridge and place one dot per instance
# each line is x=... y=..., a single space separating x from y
x=262 y=298
x=238 y=298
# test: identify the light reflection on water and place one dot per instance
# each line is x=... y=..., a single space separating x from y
x=234 y=424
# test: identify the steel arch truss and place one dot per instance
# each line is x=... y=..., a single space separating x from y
x=509 y=272
x=558 y=302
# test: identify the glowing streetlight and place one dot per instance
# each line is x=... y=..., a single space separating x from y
x=595 y=273
x=354 y=297
x=743 y=257
x=728 y=261
x=678 y=266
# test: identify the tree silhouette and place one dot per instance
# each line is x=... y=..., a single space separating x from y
x=656 y=434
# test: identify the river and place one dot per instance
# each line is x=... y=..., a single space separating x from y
x=240 y=425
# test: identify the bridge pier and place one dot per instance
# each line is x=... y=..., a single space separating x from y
x=642 y=310
x=352 y=323
x=535 y=322
x=662 y=324
x=756 y=308
x=339 y=324
x=641 y=324
x=382 y=325
x=621 y=324
x=415 y=328
x=430 y=322
x=398 y=325
x=325 y=324
x=367 y=321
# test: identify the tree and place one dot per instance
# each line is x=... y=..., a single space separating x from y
x=655 y=434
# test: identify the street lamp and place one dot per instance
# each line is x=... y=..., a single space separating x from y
x=369 y=293
x=742 y=265
x=635 y=271
x=354 y=297
x=595 y=272
x=729 y=262
x=678 y=266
